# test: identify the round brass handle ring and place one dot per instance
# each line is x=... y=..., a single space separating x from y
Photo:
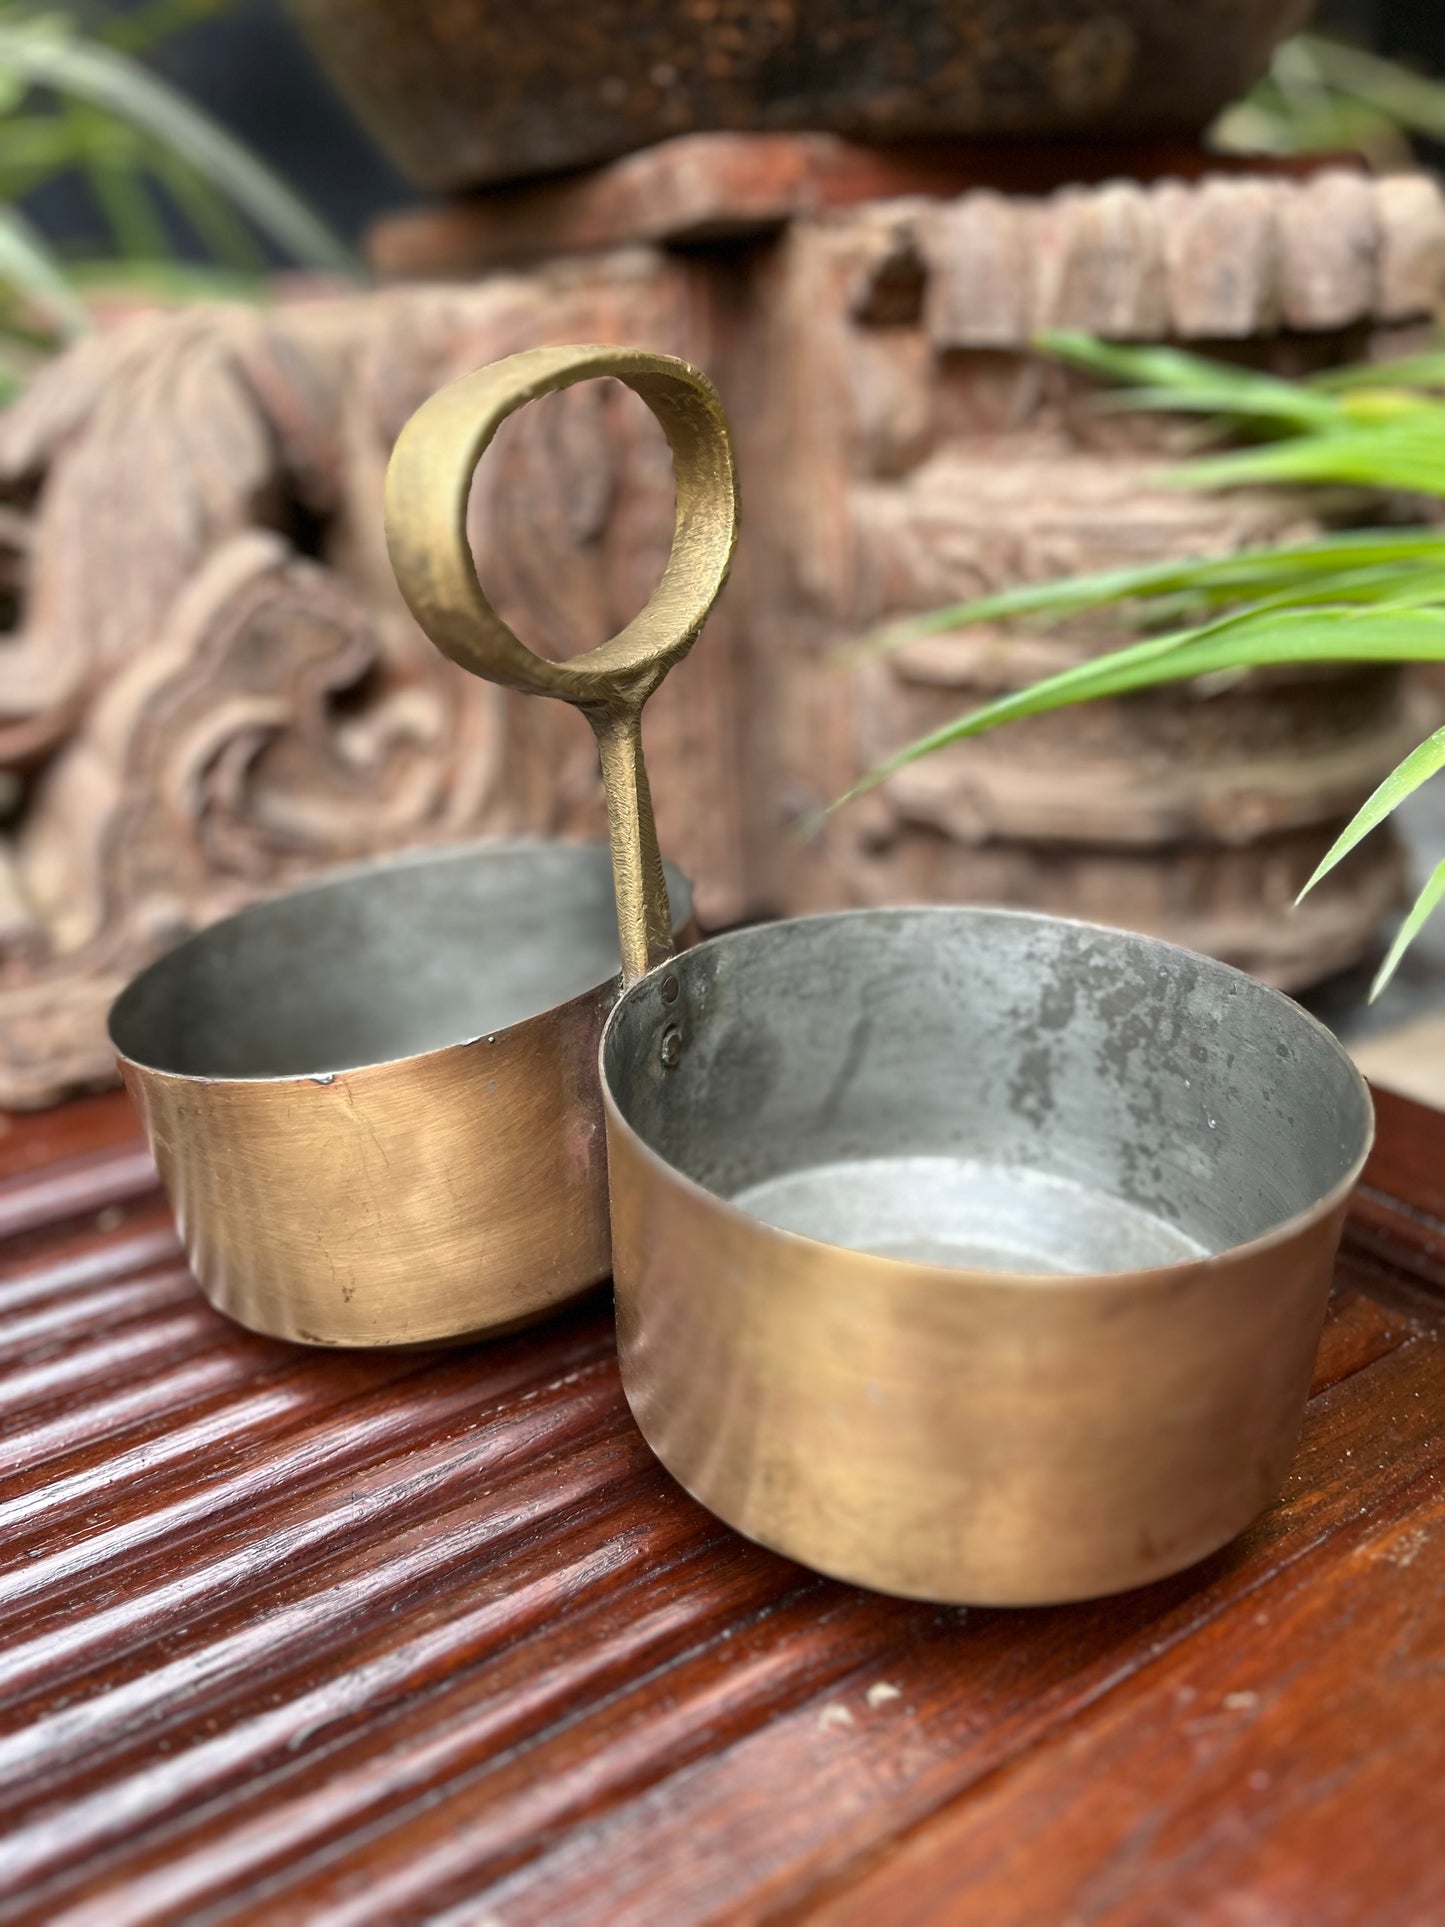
x=429 y=481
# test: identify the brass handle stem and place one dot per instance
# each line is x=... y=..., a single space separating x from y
x=428 y=483
x=644 y=920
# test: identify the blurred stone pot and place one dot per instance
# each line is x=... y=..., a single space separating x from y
x=463 y=92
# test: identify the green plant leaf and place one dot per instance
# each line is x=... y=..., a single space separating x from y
x=109 y=154
x=1408 y=99
x=1373 y=432
x=155 y=20
x=46 y=53
x=1316 y=567
x=1417 y=768
x=1423 y=371
x=1425 y=903
x=28 y=266
x=1172 y=379
x=1400 y=456
x=217 y=226
x=1288 y=637
x=33 y=147
x=1363 y=596
x=1325 y=96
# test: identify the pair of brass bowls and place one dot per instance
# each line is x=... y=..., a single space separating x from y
x=971 y=1255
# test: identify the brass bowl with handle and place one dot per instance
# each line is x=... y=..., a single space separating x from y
x=374 y=1102
x=967 y=1254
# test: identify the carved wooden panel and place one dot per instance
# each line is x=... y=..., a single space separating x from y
x=210 y=688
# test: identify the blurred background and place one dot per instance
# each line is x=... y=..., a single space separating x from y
x=921 y=246
x=248 y=63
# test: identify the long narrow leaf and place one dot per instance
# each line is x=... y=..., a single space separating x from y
x=217 y=226
x=1397 y=456
x=1409 y=99
x=1425 y=903
x=1302 y=411
x=1318 y=565
x=33 y=147
x=1406 y=589
x=110 y=157
x=1425 y=371
x=1417 y=768
x=28 y=266
x=1367 y=597
x=46 y=54
x=1182 y=380
x=1293 y=637
x=142 y=26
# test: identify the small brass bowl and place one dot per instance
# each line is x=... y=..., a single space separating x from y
x=374 y=1102
x=973 y=1255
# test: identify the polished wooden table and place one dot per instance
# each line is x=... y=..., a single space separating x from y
x=301 y=1637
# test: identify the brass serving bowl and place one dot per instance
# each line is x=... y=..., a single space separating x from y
x=374 y=1104
x=973 y=1255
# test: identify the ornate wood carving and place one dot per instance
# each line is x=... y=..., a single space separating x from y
x=211 y=689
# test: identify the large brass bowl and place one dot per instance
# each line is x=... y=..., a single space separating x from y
x=973 y=1255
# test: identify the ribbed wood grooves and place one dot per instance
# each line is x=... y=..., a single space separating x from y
x=292 y=1636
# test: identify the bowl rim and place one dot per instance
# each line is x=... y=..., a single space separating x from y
x=681 y=893
x=884 y=1270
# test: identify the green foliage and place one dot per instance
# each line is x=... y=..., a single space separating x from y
x=1321 y=96
x=1361 y=595
x=1418 y=767
x=81 y=104
x=1419 y=916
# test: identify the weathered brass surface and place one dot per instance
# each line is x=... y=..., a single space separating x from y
x=374 y=1104
x=405 y=1203
x=964 y=1438
x=1097 y=1184
x=427 y=486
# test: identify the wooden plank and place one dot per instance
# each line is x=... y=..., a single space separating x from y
x=295 y=1636
x=1408 y=1161
x=1287 y=1768
x=32 y=1140
x=973 y=1692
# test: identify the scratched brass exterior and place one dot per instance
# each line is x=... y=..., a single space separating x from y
x=969 y=1435
x=372 y=1130
x=428 y=1200
x=405 y=1196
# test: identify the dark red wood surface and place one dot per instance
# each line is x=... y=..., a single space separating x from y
x=298 y=1637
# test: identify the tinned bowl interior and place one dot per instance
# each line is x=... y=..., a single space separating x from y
x=989 y=1090
x=387 y=961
